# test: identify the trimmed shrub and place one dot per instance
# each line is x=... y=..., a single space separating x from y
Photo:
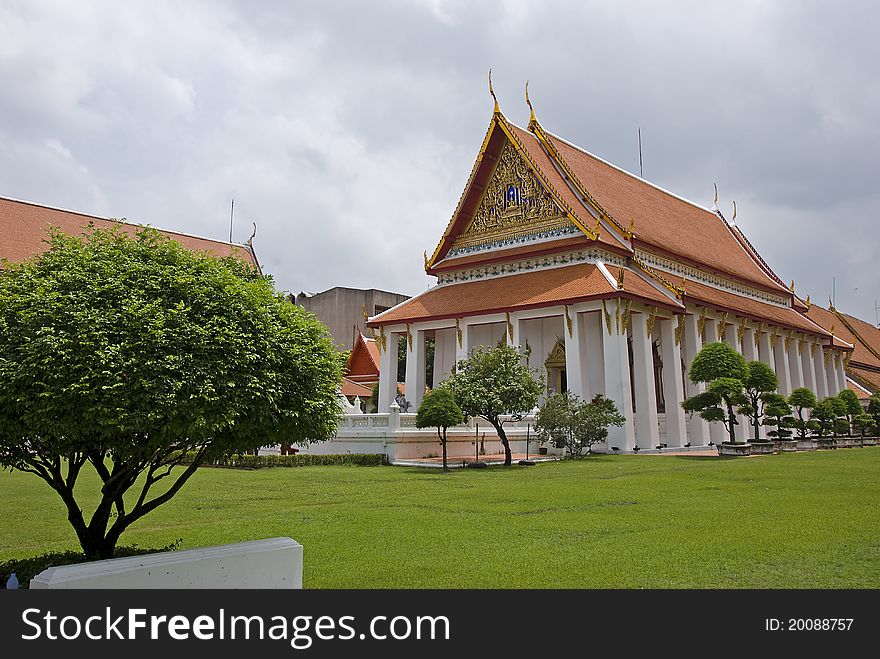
x=245 y=461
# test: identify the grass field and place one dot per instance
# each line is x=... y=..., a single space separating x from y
x=793 y=520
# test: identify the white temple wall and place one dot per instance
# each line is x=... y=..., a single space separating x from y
x=541 y=335
x=487 y=334
x=444 y=354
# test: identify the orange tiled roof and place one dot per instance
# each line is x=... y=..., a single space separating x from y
x=24 y=226
x=363 y=361
x=539 y=288
x=351 y=388
x=662 y=220
x=866 y=335
x=829 y=319
x=762 y=311
x=866 y=377
x=857 y=390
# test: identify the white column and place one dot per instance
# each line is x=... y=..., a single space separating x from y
x=841 y=372
x=830 y=373
x=780 y=359
x=741 y=431
x=594 y=373
x=794 y=362
x=717 y=430
x=698 y=430
x=574 y=353
x=673 y=387
x=518 y=328
x=833 y=373
x=615 y=358
x=647 y=424
x=765 y=350
x=387 y=371
x=462 y=341
x=415 y=367
x=821 y=379
x=750 y=353
x=808 y=366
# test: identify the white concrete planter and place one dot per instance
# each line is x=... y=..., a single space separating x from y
x=736 y=449
x=806 y=444
x=763 y=448
x=275 y=563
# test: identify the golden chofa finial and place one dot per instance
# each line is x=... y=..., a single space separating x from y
x=807 y=302
x=620 y=274
x=791 y=286
x=733 y=219
x=532 y=118
x=715 y=200
x=492 y=93
x=425 y=256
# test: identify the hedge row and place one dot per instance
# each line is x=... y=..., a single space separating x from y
x=297 y=460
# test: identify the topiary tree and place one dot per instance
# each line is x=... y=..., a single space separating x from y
x=865 y=424
x=724 y=370
x=593 y=419
x=492 y=383
x=778 y=413
x=841 y=421
x=761 y=380
x=852 y=406
x=569 y=422
x=439 y=410
x=556 y=419
x=874 y=408
x=803 y=399
x=125 y=354
x=825 y=417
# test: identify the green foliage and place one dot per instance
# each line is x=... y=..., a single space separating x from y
x=439 y=410
x=852 y=405
x=865 y=424
x=761 y=380
x=26 y=569
x=803 y=399
x=124 y=353
x=718 y=360
x=567 y=421
x=248 y=461
x=824 y=415
x=724 y=370
x=494 y=382
x=778 y=415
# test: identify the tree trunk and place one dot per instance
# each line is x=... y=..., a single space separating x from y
x=499 y=427
x=443 y=444
x=731 y=421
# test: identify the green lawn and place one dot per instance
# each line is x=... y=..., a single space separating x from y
x=793 y=520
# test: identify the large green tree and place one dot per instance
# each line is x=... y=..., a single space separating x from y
x=493 y=383
x=724 y=371
x=439 y=410
x=124 y=353
x=568 y=421
x=761 y=380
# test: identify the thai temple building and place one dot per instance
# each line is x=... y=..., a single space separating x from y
x=607 y=283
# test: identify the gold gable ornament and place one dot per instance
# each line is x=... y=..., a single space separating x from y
x=679 y=330
x=556 y=359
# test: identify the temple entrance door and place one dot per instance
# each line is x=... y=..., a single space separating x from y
x=557 y=381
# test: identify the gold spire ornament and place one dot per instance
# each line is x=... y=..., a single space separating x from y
x=497 y=108
x=791 y=286
x=733 y=219
x=425 y=256
x=807 y=302
x=620 y=274
x=532 y=118
x=715 y=200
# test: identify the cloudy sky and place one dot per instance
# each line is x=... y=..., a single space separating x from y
x=346 y=130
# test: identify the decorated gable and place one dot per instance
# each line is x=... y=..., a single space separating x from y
x=515 y=207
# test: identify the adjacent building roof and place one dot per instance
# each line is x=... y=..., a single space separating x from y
x=24 y=227
x=363 y=361
x=352 y=388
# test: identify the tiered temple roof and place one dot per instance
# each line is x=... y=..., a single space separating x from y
x=542 y=222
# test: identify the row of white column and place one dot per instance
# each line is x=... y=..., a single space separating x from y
x=798 y=364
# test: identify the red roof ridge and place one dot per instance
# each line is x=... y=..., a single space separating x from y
x=847 y=321
x=124 y=221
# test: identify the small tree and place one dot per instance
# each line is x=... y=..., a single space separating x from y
x=852 y=405
x=865 y=424
x=803 y=399
x=494 y=382
x=824 y=416
x=778 y=414
x=439 y=410
x=841 y=421
x=593 y=419
x=724 y=370
x=761 y=380
x=125 y=354
x=555 y=420
x=874 y=408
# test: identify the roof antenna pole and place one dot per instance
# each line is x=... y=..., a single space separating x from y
x=231 y=215
x=834 y=291
x=640 y=153
x=877 y=313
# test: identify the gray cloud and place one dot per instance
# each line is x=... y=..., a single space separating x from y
x=347 y=130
